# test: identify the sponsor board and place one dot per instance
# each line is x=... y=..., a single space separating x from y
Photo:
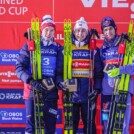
x=8 y=57
x=12 y=115
x=11 y=96
x=8 y=78
x=12 y=130
x=21 y=131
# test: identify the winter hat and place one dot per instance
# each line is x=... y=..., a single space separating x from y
x=47 y=21
x=81 y=23
x=106 y=22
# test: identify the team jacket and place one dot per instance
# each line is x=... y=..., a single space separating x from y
x=81 y=70
x=109 y=55
x=51 y=66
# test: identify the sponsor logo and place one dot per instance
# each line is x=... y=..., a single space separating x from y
x=110 y=53
x=8 y=57
x=81 y=54
x=12 y=115
x=80 y=64
x=115 y=4
x=8 y=74
x=49 y=51
x=11 y=96
x=12 y=130
x=15 y=96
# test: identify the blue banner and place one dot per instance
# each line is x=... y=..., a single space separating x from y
x=12 y=115
x=11 y=96
x=12 y=130
x=21 y=131
x=8 y=57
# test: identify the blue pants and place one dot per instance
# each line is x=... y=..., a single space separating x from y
x=82 y=108
x=50 y=116
x=105 y=106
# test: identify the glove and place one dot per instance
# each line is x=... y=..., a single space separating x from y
x=114 y=72
x=63 y=87
x=125 y=36
x=94 y=31
x=26 y=35
x=37 y=84
x=93 y=96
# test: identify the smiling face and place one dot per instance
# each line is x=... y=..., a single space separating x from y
x=48 y=32
x=109 y=33
x=80 y=34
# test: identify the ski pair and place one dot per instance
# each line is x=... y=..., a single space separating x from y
x=68 y=114
x=118 y=108
x=92 y=48
x=35 y=61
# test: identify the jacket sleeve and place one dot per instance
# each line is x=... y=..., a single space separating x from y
x=98 y=70
x=127 y=69
x=59 y=69
x=22 y=64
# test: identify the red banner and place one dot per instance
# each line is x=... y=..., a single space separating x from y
x=8 y=78
x=15 y=16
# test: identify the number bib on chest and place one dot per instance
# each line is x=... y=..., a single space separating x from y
x=81 y=62
x=48 y=66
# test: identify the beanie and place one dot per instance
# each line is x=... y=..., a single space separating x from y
x=106 y=22
x=81 y=23
x=47 y=21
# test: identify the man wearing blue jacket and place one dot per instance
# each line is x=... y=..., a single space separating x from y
x=51 y=67
x=109 y=55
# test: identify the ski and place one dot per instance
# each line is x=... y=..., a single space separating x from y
x=124 y=84
x=36 y=72
x=113 y=105
x=118 y=108
x=68 y=116
x=67 y=49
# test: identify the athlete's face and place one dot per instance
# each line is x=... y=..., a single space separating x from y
x=48 y=32
x=109 y=33
x=80 y=34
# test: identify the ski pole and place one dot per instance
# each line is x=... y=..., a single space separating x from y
x=91 y=82
x=121 y=52
x=36 y=67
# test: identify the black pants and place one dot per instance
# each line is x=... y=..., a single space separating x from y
x=50 y=116
x=82 y=109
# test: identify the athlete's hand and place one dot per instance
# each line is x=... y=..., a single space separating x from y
x=114 y=72
x=37 y=85
x=62 y=86
x=93 y=96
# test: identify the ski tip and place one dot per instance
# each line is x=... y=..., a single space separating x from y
x=69 y=20
x=37 y=19
x=32 y=19
x=65 y=20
